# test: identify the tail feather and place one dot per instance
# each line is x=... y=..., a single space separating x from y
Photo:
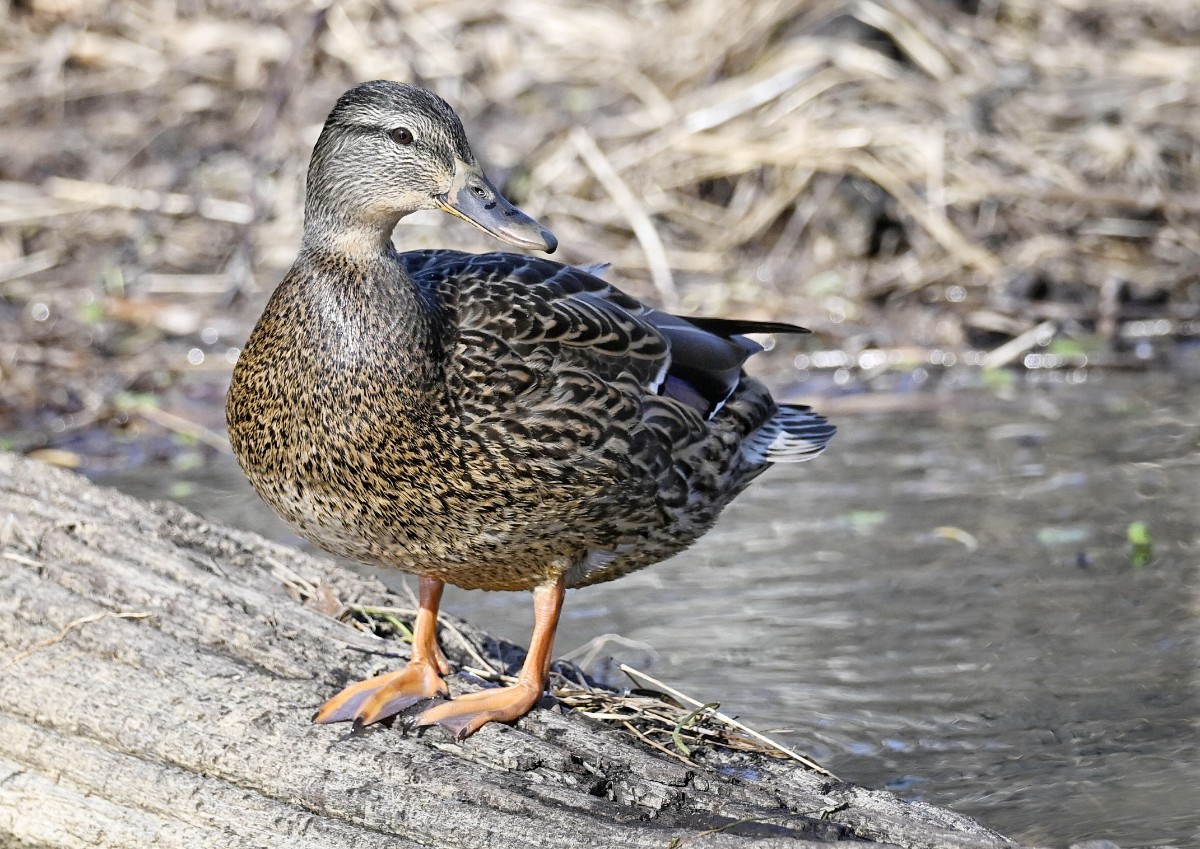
x=794 y=434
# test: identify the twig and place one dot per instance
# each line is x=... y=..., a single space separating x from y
x=728 y=720
x=639 y=219
x=70 y=626
x=751 y=97
x=629 y=727
x=181 y=425
x=24 y=266
x=167 y=203
x=1013 y=348
x=387 y=613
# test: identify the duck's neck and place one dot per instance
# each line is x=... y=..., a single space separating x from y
x=361 y=239
x=363 y=311
x=364 y=285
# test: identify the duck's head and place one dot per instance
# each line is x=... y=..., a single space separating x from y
x=388 y=149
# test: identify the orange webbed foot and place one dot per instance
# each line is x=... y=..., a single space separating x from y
x=384 y=695
x=468 y=713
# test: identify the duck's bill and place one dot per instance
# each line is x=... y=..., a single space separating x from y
x=473 y=198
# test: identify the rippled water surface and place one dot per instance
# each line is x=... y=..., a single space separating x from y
x=944 y=604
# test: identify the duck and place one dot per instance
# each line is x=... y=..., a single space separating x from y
x=496 y=421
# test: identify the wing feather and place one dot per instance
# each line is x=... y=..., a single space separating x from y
x=646 y=417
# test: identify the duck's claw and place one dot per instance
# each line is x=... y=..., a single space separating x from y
x=384 y=695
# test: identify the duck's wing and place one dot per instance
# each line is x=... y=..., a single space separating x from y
x=629 y=428
x=512 y=301
x=527 y=303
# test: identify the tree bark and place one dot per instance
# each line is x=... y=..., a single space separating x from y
x=158 y=673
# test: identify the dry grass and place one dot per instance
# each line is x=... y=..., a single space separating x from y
x=897 y=175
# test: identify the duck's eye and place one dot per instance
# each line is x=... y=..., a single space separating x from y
x=401 y=135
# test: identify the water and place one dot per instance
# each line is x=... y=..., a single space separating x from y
x=945 y=604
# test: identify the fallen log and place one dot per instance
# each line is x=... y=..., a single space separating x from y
x=158 y=673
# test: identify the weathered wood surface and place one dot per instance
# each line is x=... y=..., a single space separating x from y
x=156 y=684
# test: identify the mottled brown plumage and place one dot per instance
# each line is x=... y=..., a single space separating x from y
x=494 y=421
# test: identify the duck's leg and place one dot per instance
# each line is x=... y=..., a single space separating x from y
x=384 y=695
x=467 y=714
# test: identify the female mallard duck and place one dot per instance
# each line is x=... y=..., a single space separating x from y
x=496 y=421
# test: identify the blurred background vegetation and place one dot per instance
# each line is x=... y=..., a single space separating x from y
x=925 y=184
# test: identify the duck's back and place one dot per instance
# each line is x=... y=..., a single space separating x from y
x=492 y=420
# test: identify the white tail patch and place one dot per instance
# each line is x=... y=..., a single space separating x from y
x=792 y=435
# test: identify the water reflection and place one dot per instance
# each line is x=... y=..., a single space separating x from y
x=944 y=604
